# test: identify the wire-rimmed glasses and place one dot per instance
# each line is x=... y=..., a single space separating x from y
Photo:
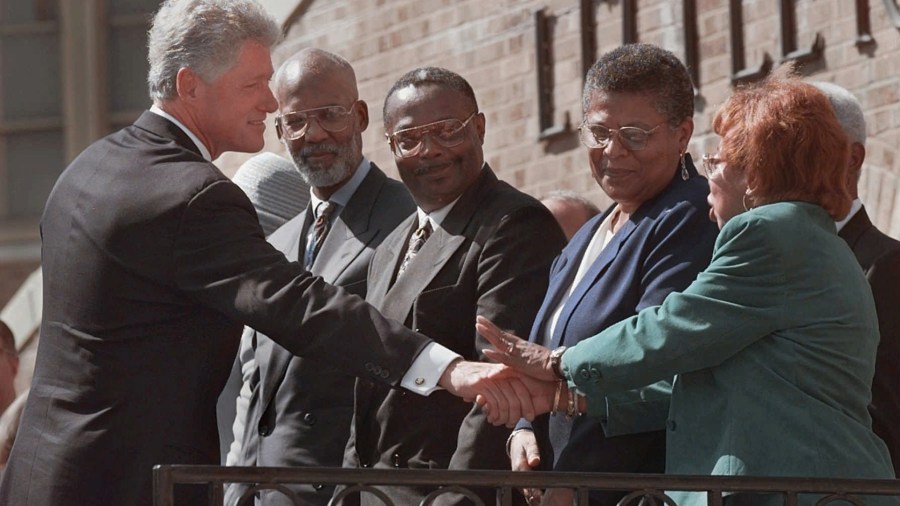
x=332 y=118
x=447 y=133
x=596 y=136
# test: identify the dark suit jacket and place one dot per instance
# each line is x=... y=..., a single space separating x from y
x=153 y=261
x=300 y=413
x=879 y=256
x=490 y=257
x=661 y=249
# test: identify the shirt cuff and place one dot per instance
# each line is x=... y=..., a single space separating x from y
x=426 y=370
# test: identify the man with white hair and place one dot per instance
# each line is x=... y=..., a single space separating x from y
x=879 y=256
x=153 y=261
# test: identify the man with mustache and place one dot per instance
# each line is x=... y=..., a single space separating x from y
x=299 y=410
x=475 y=246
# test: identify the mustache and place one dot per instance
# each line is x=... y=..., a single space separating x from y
x=319 y=149
x=425 y=169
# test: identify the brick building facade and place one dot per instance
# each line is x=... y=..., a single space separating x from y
x=495 y=46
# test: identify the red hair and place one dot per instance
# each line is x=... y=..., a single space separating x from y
x=783 y=136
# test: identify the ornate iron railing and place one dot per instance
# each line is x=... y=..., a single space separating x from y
x=649 y=487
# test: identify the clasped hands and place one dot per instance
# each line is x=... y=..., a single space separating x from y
x=521 y=385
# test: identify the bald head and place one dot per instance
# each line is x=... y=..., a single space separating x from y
x=311 y=65
x=850 y=115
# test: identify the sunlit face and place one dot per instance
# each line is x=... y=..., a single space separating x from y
x=631 y=177
x=231 y=111
x=324 y=157
x=436 y=175
x=727 y=188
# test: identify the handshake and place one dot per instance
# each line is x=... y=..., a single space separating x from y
x=521 y=385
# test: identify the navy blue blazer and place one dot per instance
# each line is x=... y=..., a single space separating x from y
x=662 y=248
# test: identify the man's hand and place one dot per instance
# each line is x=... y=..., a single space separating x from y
x=524 y=456
x=500 y=391
x=528 y=358
x=541 y=394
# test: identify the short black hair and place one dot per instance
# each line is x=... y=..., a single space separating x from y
x=646 y=69
x=431 y=75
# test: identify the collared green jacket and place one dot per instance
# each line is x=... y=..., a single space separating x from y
x=773 y=347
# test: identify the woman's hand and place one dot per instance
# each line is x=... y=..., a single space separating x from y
x=528 y=358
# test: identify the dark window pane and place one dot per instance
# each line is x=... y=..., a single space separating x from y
x=28 y=11
x=30 y=74
x=33 y=161
x=128 y=69
x=129 y=7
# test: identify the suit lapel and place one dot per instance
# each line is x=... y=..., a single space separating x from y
x=439 y=248
x=428 y=262
x=386 y=260
x=593 y=274
x=353 y=229
x=562 y=273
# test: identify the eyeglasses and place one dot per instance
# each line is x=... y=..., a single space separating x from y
x=334 y=118
x=712 y=165
x=599 y=136
x=446 y=133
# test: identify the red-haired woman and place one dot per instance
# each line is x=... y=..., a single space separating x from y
x=774 y=343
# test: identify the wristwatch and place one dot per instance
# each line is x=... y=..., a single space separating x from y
x=556 y=362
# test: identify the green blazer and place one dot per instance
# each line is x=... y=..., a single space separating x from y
x=774 y=348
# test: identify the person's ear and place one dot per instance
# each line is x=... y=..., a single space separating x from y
x=479 y=121
x=362 y=115
x=187 y=83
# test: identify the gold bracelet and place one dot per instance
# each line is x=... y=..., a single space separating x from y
x=556 y=396
x=571 y=408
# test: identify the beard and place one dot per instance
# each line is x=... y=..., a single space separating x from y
x=317 y=174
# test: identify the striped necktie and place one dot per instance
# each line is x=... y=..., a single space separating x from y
x=319 y=230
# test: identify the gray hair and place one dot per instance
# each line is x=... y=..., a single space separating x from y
x=847 y=109
x=204 y=36
x=648 y=70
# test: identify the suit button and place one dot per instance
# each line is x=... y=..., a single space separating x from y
x=585 y=374
x=318 y=486
x=385 y=373
x=670 y=424
x=264 y=430
x=309 y=418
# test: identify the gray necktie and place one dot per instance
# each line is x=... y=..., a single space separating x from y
x=415 y=244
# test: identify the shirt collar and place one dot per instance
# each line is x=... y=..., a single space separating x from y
x=342 y=196
x=437 y=216
x=203 y=151
x=854 y=208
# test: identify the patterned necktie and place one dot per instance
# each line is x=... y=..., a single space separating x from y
x=415 y=244
x=317 y=235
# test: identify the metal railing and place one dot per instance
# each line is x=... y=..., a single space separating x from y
x=650 y=488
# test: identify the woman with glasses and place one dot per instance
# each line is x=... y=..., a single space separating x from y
x=638 y=106
x=774 y=343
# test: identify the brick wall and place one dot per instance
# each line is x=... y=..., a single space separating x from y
x=492 y=44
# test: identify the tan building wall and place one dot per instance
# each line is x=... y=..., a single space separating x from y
x=492 y=44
